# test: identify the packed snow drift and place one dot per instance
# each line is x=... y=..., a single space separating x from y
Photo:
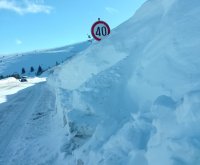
x=134 y=97
x=10 y=86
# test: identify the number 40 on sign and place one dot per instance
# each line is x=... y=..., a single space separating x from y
x=99 y=30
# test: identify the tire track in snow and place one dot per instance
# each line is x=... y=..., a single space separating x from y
x=26 y=103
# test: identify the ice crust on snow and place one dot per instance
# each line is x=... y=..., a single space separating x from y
x=134 y=98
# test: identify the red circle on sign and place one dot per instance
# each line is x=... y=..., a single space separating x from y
x=96 y=24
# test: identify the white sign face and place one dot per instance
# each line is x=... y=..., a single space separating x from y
x=99 y=30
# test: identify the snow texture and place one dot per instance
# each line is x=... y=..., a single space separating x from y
x=134 y=97
x=131 y=99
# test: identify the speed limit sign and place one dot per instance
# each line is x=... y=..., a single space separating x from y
x=99 y=30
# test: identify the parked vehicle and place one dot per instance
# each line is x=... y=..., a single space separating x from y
x=23 y=79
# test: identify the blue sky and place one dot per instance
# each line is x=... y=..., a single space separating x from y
x=39 y=24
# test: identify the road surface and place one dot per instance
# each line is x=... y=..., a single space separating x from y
x=29 y=133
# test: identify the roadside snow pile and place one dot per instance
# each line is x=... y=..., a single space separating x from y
x=134 y=98
x=177 y=131
x=10 y=86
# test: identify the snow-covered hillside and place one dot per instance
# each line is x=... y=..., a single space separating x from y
x=45 y=58
x=134 y=98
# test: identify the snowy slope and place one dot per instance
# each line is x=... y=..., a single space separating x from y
x=45 y=58
x=134 y=98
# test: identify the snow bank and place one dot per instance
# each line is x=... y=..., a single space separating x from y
x=134 y=97
x=177 y=131
x=10 y=86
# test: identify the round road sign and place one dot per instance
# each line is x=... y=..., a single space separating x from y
x=99 y=30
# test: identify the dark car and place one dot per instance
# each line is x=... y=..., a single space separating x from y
x=23 y=79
